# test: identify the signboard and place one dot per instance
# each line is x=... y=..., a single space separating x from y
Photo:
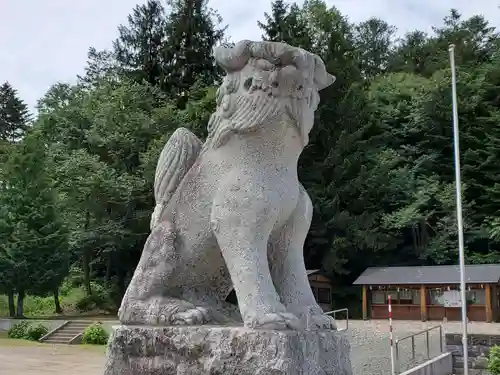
x=451 y=298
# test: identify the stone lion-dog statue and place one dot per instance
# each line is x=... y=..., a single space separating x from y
x=231 y=212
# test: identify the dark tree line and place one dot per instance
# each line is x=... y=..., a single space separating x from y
x=76 y=190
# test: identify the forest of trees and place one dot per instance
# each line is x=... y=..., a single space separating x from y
x=76 y=179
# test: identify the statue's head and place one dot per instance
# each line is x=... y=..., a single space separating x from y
x=266 y=82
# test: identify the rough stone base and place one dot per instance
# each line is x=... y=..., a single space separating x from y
x=209 y=350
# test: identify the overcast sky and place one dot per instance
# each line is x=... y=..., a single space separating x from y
x=43 y=42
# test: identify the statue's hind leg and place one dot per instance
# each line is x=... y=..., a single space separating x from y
x=288 y=268
x=145 y=301
x=242 y=219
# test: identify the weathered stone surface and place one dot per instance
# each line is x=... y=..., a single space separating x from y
x=206 y=350
x=230 y=212
x=478 y=350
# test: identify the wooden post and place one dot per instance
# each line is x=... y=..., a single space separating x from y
x=365 y=303
x=494 y=302
x=423 y=303
x=489 y=310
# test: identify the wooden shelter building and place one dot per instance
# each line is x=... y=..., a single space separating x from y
x=322 y=289
x=430 y=292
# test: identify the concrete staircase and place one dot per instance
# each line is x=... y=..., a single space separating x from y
x=69 y=332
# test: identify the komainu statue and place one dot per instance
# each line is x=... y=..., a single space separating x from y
x=230 y=212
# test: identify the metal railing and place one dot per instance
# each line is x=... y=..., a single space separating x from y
x=334 y=312
x=425 y=332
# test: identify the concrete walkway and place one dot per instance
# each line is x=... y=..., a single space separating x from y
x=369 y=355
x=46 y=359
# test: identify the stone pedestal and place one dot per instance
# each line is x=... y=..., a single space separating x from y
x=220 y=350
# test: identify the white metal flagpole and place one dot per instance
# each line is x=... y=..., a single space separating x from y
x=458 y=185
x=391 y=338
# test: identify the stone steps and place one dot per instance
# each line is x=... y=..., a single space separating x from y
x=66 y=333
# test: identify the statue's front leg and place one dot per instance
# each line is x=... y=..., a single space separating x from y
x=288 y=268
x=242 y=220
x=146 y=300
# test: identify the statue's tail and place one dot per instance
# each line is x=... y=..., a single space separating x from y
x=177 y=157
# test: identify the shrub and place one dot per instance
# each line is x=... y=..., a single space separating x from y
x=95 y=334
x=34 y=333
x=36 y=306
x=73 y=280
x=98 y=300
x=92 y=302
x=494 y=360
x=18 y=330
x=98 y=288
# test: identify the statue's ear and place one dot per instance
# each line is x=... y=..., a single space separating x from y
x=233 y=58
x=322 y=78
x=325 y=81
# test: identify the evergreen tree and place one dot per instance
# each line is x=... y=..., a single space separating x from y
x=192 y=31
x=475 y=40
x=275 y=27
x=33 y=240
x=138 y=47
x=373 y=43
x=412 y=54
x=14 y=114
x=286 y=24
x=101 y=65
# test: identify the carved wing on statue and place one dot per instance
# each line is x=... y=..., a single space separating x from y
x=177 y=157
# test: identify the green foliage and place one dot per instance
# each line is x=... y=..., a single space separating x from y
x=28 y=331
x=97 y=300
x=14 y=114
x=19 y=330
x=95 y=334
x=35 y=332
x=35 y=306
x=71 y=304
x=34 y=249
x=75 y=279
x=192 y=30
x=494 y=360
x=76 y=197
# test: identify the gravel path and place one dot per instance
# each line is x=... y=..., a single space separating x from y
x=48 y=359
x=370 y=349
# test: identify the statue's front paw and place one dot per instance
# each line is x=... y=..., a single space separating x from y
x=322 y=321
x=275 y=321
x=195 y=316
x=313 y=317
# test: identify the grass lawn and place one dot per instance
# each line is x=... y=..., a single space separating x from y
x=5 y=341
x=43 y=307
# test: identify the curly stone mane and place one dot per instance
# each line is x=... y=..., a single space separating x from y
x=259 y=76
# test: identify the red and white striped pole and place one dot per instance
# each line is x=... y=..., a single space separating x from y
x=393 y=362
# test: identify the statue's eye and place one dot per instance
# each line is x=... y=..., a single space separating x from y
x=248 y=83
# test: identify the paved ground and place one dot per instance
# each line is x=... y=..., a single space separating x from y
x=369 y=341
x=370 y=349
x=45 y=359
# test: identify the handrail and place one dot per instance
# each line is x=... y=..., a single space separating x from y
x=53 y=331
x=418 y=333
x=334 y=312
x=412 y=337
x=74 y=338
